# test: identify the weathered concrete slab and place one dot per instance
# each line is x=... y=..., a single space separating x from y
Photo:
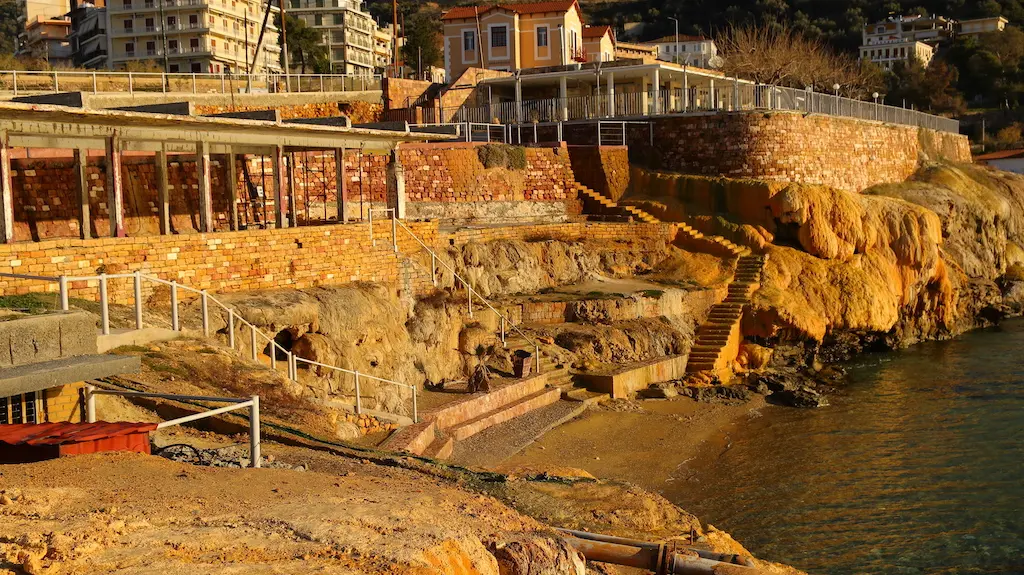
x=450 y=129
x=394 y=126
x=144 y=336
x=265 y=115
x=637 y=376
x=339 y=121
x=76 y=99
x=37 y=338
x=47 y=374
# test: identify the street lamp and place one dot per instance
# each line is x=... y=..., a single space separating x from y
x=675 y=58
x=835 y=88
x=875 y=96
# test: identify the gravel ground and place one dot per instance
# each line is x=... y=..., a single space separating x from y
x=494 y=445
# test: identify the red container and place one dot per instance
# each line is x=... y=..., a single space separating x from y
x=29 y=442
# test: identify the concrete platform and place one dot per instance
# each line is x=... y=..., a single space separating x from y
x=637 y=376
x=47 y=374
x=144 y=336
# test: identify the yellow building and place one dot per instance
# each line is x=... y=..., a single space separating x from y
x=511 y=37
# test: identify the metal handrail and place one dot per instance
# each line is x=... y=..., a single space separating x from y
x=470 y=292
x=255 y=334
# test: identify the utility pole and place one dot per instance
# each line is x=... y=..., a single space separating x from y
x=163 y=36
x=394 y=35
x=284 y=45
x=675 y=58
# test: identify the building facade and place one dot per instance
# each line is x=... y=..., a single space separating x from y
x=689 y=50
x=354 y=42
x=887 y=54
x=510 y=37
x=46 y=39
x=193 y=36
x=90 y=43
x=982 y=26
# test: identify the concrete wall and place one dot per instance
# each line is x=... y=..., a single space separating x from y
x=604 y=169
x=632 y=378
x=843 y=153
x=38 y=338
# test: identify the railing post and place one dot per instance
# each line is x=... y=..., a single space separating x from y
x=62 y=284
x=469 y=298
x=90 y=404
x=231 y=329
x=254 y=432
x=193 y=83
x=175 y=325
x=321 y=82
x=137 y=285
x=163 y=82
x=223 y=84
x=394 y=229
x=433 y=267
x=131 y=86
x=415 y=412
x=373 y=241
x=206 y=312
x=94 y=82
x=104 y=306
x=359 y=401
x=503 y=344
x=56 y=84
x=252 y=343
x=14 y=73
x=536 y=350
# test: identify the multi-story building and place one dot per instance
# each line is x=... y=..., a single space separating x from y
x=383 y=48
x=689 y=50
x=349 y=33
x=199 y=36
x=90 y=44
x=887 y=54
x=513 y=36
x=46 y=38
x=982 y=26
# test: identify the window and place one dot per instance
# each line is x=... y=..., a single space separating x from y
x=172 y=21
x=3 y=410
x=193 y=21
x=150 y=25
x=172 y=46
x=318 y=20
x=319 y=3
x=129 y=25
x=338 y=19
x=196 y=67
x=499 y=37
x=193 y=44
x=468 y=41
x=30 y=407
x=129 y=48
x=127 y=4
x=295 y=3
x=151 y=48
x=542 y=36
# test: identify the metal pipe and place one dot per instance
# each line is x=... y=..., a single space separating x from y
x=231 y=329
x=104 y=306
x=175 y=325
x=663 y=558
x=62 y=282
x=137 y=285
x=206 y=313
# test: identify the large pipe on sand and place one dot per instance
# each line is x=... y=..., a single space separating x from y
x=661 y=558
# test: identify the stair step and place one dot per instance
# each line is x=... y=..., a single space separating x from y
x=504 y=413
x=586 y=397
x=441 y=448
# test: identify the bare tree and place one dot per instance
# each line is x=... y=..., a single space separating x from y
x=773 y=54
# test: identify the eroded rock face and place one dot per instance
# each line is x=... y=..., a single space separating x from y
x=538 y=555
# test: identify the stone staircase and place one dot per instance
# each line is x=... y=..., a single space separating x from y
x=718 y=340
x=612 y=208
x=559 y=377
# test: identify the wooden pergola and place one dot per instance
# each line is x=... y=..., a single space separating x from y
x=119 y=131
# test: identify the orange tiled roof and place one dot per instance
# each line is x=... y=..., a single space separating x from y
x=1001 y=155
x=672 y=38
x=596 y=31
x=461 y=12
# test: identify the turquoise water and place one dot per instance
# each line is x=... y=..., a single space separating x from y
x=916 y=467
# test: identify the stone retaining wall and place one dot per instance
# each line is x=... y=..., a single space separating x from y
x=844 y=153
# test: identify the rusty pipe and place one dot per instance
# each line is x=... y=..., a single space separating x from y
x=662 y=559
x=722 y=557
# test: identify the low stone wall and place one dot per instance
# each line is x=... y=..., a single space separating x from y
x=844 y=153
x=573 y=231
x=635 y=377
x=38 y=338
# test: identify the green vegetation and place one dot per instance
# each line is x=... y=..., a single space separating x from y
x=304 y=49
x=502 y=156
x=30 y=303
x=653 y=293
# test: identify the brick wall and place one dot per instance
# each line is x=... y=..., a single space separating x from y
x=784 y=146
x=604 y=169
x=64 y=403
x=402 y=93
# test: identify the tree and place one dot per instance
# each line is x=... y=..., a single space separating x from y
x=304 y=46
x=8 y=26
x=931 y=88
x=423 y=36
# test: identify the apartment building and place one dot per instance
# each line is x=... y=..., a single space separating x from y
x=887 y=54
x=689 y=50
x=355 y=44
x=981 y=26
x=511 y=37
x=198 y=36
x=47 y=39
x=90 y=44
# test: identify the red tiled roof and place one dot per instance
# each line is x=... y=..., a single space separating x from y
x=1001 y=155
x=596 y=31
x=462 y=12
x=60 y=433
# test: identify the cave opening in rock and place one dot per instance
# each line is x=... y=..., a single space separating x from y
x=283 y=339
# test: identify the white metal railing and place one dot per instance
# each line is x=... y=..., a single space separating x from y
x=233 y=320
x=105 y=82
x=252 y=404
x=725 y=96
x=504 y=322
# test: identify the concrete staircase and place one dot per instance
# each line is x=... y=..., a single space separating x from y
x=718 y=340
x=609 y=207
x=559 y=377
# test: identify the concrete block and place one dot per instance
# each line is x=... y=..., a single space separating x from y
x=49 y=374
x=637 y=376
x=38 y=338
x=172 y=108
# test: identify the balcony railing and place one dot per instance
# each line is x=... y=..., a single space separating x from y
x=20 y=82
x=736 y=97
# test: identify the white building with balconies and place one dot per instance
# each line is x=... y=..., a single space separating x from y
x=354 y=42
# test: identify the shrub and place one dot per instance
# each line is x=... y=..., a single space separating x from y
x=502 y=156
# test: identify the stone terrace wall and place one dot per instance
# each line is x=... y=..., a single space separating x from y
x=604 y=169
x=230 y=261
x=357 y=111
x=844 y=153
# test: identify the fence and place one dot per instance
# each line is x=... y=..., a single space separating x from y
x=728 y=96
x=252 y=404
x=102 y=82
x=257 y=339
